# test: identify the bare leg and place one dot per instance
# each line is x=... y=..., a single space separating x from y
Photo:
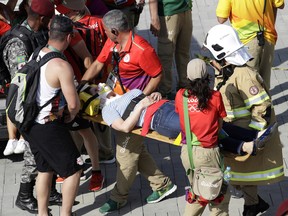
x=77 y=139
x=43 y=188
x=12 y=130
x=91 y=144
x=69 y=191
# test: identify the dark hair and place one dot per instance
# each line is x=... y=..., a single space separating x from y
x=21 y=14
x=22 y=8
x=31 y=13
x=200 y=88
x=59 y=36
x=61 y=23
x=60 y=27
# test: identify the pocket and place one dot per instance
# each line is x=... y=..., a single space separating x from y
x=207 y=182
x=203 y=157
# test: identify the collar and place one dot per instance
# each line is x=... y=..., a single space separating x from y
x=26 y=24
x=128 y=44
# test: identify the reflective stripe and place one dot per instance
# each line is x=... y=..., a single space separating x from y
x=258 y=176
x=236 y=113
x=257 y=99
x=257 y=125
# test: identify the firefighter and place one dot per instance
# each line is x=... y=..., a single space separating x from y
x=248 y=105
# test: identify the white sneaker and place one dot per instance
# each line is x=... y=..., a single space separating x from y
x=21 y=145
x=10 y=147
x=83 y=177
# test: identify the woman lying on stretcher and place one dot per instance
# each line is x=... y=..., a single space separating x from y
x=134 y=109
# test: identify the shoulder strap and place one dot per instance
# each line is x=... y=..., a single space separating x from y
x=117 y=58
x=187 y=129
x=131 y=106
x=47 y=57
x=25 y=36
x=82 y=27
x=86 y=104
x=188 y=135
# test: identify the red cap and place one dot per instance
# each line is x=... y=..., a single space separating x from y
x=43 y=7
x=282 y=209
x=62 y=9
x=66 y=6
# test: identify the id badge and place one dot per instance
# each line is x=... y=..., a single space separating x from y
x=111 y=81
x=119 y=2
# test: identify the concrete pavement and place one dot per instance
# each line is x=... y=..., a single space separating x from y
x=167 y=156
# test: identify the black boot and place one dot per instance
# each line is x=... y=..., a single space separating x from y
x=25 y=199
x=55 y=197
x=253 y=210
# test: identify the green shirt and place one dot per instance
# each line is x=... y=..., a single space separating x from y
x=171 y=7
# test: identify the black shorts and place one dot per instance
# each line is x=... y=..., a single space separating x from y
x=78 y=123
x=54 y=149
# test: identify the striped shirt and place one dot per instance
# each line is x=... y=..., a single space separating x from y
x=116 y=108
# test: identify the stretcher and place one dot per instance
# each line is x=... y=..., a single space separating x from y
x=151 y=134
x=156 y=136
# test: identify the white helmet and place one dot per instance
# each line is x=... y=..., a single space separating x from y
x=223 y=41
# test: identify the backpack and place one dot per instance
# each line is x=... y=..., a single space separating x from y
x=31 y=40
x=21 y=104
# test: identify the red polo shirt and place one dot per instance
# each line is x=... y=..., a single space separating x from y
x=139 y=61
x=203 y=124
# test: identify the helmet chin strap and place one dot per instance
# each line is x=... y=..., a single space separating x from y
x=226 y=71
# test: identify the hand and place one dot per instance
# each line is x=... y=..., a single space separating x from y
x=146 y=102
x=156 y=96
x=155 y=26
x=93 y=90
x=140 y=2
x=248 y=147
x=213 y=63
x=67 y=117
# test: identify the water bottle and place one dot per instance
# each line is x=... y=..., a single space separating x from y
x=227 y=174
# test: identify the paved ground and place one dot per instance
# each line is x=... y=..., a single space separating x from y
x=167 y=156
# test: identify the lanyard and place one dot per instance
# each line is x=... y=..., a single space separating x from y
x=53 y=48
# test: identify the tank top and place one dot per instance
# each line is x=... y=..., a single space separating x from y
x=44 y=93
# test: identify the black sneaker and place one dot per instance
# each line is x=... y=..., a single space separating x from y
x=109 y=160
x=55 y=198
x=253 y=210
